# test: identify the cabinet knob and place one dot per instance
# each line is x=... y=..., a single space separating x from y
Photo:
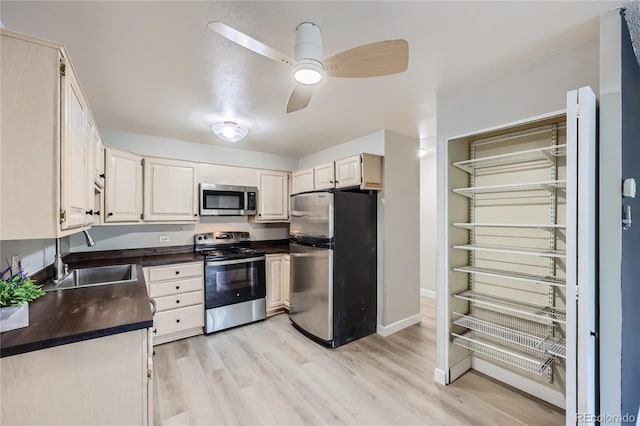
x=97 y=213
x=330 y=181
x=178 y=320
x=102 y=175
x=177 y=272
x=177 y=287
x=155 y=331
x=178 y=301
x=195 y=214
x=109 y=214
x=90 y=212
x=336 y=181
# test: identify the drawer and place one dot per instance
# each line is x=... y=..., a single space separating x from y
x=173 y=272
x=178 y=301
x=175 y=287
x=178 y=319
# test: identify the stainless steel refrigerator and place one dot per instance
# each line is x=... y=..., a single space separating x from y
x=332 y=246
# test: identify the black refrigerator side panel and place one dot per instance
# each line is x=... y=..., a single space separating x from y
x=355 y=265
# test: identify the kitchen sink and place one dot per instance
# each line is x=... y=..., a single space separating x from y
x=85 y=277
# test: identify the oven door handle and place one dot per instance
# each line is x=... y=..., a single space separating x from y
x=234 y=261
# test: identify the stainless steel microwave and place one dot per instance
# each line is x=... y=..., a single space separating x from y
x=227 y=200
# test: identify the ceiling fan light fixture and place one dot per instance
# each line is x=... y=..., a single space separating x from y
x=229 y=131
x=308 y=71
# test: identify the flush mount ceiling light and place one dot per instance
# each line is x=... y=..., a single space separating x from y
x=229 y=131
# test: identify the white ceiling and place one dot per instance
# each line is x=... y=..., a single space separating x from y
x=153 y=67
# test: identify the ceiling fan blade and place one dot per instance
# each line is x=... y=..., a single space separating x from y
x=250 y=43
x=299 y=98
x=370 y=60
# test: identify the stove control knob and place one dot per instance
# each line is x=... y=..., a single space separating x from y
x=205 y=237
x=199 y=237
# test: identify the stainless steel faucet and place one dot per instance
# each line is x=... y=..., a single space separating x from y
x=62 y=269
x=90 y=242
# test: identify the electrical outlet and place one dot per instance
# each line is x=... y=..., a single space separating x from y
x=164 y=238
x=15 y=259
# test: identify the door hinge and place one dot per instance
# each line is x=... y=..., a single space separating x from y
x=142 y=162
x=63 y=216
x=63 y=69
x=577 y=111
x=149 y=375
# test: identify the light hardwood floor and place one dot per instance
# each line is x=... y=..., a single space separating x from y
x=267 y=373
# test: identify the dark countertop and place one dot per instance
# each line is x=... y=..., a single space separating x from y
x=67 y=316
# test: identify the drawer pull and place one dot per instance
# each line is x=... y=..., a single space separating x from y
x=177 y=287
x=155 y=331
x=177 y=301
x=177 y=272
x=178 y=320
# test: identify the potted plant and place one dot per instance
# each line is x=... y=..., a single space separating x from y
x=16 y=291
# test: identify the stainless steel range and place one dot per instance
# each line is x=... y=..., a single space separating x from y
x=234 y=280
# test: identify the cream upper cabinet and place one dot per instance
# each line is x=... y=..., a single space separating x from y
x=74 y=155
x=123 y=186
x=324 y=176
x=275 y=298
x=302 y=181
x=45 y=142
x=348 y=171
x=169 y=191
x=273 y=196
x=98 y=158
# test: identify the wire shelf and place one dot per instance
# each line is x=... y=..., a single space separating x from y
x=555 y=346
x=491 y=327
x=539 y=312
x=531 y=361
x=545 y=226
x=514 y=250
x=549 y=153
x=518 y=276
x=548 y=185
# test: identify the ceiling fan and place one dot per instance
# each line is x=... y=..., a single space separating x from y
x=369 y=60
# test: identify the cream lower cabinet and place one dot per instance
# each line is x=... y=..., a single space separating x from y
x=277 y=269
x=98 y=381
x=273 y=196
x=178 y=293
x=170 y=191
x=123 y=187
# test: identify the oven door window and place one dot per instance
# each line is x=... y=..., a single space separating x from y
x=222 y=200
x=229 y=282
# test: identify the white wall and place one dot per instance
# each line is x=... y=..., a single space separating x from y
x=399 y=304
x=36 y=254
x=610 y=233
x=521 y=94
x=428 y=221
x=192 y=151
x=139 y=236
x=373 y=143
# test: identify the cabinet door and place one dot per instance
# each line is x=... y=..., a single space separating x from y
x=273 y=196
x=274 y=283
x=324 y=176
x=98 y=158
x=348 y=172
x=123 y=186
x=74 y=144
x=169 y=191
x=302 y=181
x=286 y=279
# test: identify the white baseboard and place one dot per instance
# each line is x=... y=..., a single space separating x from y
x=517 y=381
x=439 y=376
x=387 y=330
x=459 y=369
x=427 y=293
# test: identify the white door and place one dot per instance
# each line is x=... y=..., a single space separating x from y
x=73 y=179
x=302 y=181
x=273 y=196
x=324 y=176
x=581 y=258
x=123 y=186
x=169 y=190
x=348 y=172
